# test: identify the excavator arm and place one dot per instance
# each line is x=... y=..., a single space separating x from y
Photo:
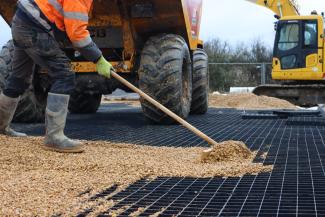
x=280 y=7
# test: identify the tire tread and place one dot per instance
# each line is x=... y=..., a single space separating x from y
x=159 y=76
x=200 y=94
x=29 y=109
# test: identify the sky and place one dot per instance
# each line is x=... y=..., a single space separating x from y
x=235 y=21
x=238 y=21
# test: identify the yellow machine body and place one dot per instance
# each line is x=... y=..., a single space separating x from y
x=279 y=7
x=313 y=66
x=313 y=69
x=298 y=56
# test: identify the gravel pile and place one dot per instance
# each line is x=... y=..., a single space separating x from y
x=229 y=151
x=249 y=101
x=37 y=182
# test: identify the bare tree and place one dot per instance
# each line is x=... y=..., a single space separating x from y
x=222 y=77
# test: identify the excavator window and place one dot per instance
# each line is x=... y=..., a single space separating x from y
x=287 y=41
x=289 y=36
x=296 y=40
x=310 y=34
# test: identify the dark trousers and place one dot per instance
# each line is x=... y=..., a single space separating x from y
x=35 y=46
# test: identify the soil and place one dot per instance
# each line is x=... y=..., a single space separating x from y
x=248 y=101
x=35 y=182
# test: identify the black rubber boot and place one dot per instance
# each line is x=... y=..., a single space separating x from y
x=55 y=120
x=7 y=110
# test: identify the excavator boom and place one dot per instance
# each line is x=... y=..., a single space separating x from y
x=280 y=7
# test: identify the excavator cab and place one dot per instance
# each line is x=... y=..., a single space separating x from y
x=298 y=49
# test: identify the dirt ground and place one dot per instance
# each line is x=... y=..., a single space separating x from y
x=248 y=101
x=37 y=182
x=133 y=103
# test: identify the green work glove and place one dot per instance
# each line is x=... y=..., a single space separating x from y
x=104 y=68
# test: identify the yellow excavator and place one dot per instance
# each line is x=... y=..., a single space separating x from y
x=298 y=57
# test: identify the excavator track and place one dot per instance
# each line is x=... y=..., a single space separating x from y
x=302 y=95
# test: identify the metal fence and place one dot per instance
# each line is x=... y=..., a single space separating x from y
x=226 y=75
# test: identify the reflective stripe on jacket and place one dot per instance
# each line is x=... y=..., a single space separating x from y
x=70 y=16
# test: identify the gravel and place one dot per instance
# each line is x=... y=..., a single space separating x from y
x=229 y=151
x=248 y=101
x=35 y=182
x=244 y=101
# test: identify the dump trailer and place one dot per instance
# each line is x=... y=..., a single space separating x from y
x=154 y=44
x=298 y=59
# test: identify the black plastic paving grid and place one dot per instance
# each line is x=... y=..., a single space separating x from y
x=296 y=186
x=130 y=126
x=306 y=121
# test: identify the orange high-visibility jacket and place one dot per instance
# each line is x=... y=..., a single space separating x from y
x=70 y=16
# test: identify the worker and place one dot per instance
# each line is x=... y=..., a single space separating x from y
x=39 y=28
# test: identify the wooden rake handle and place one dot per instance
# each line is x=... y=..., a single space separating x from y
x=164 y=109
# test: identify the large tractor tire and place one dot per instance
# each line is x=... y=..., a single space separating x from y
x=31 y=107
x=166 y=75
x=200 y=94
x=82 y=103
